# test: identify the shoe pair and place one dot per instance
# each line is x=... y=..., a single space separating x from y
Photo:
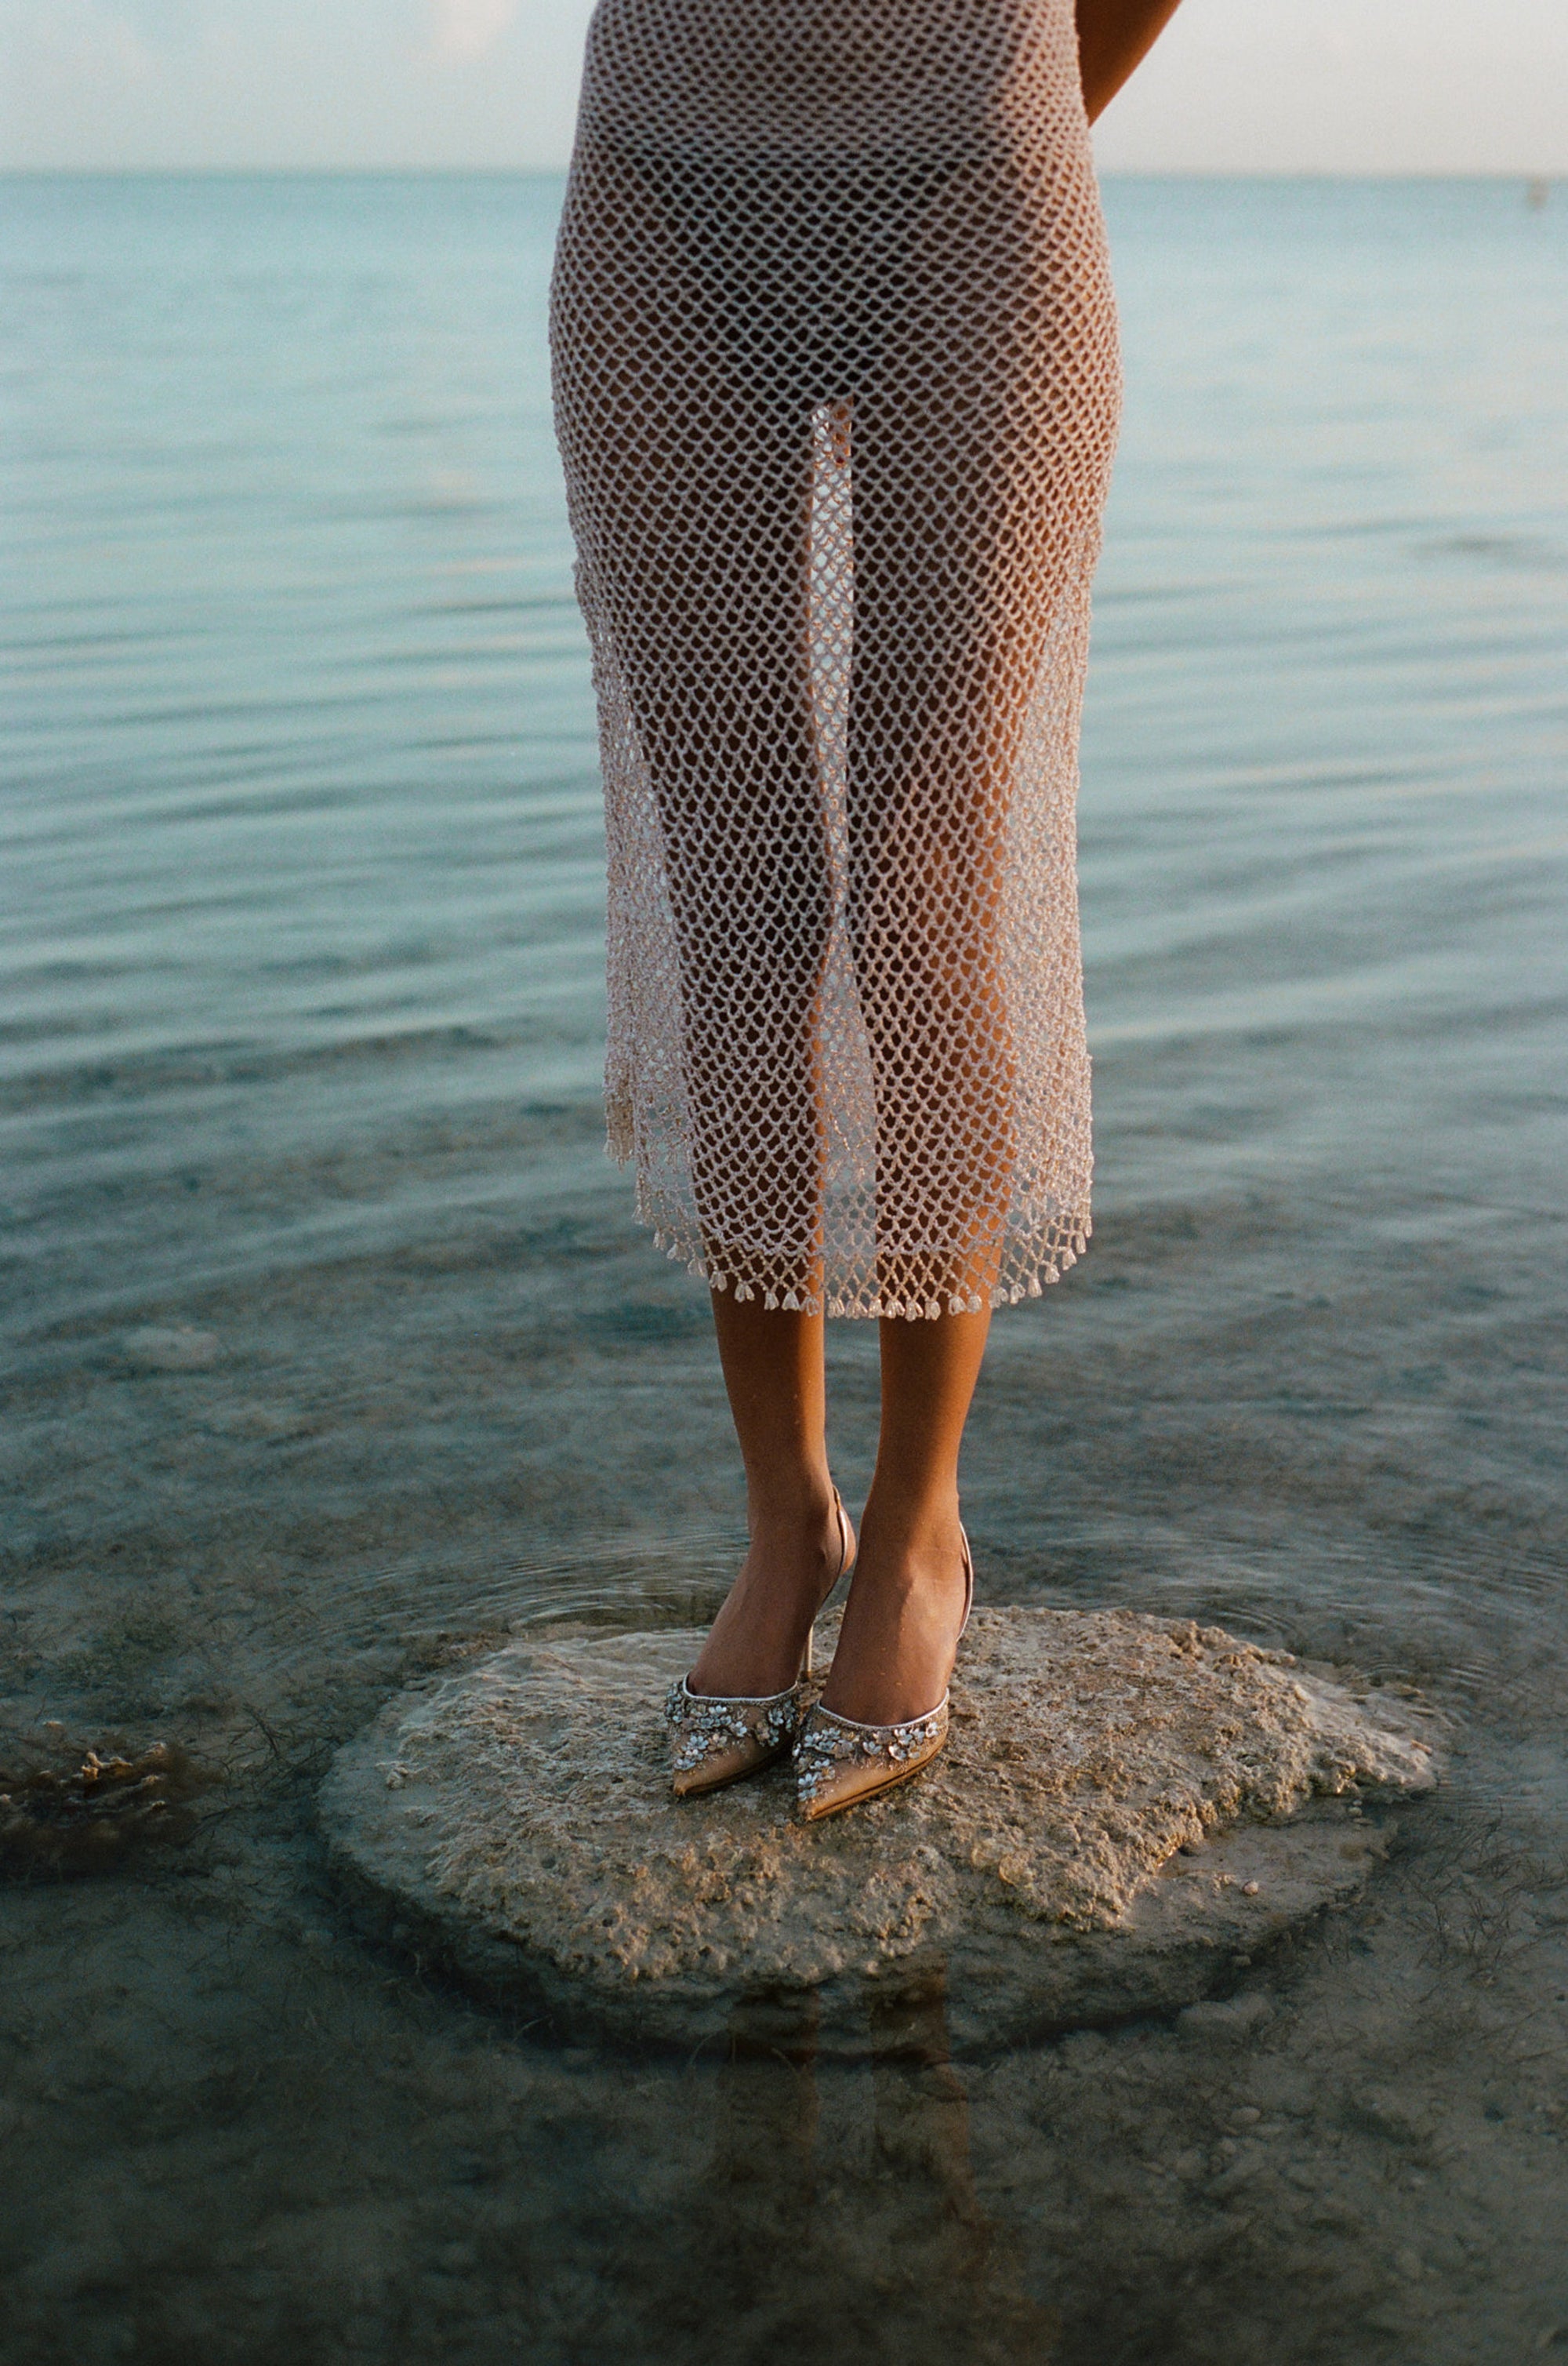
x=720 y=1738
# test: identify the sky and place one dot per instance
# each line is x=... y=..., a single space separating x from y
x=1236 y=85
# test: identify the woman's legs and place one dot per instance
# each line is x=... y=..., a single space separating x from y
x=938 y=702
x=895 y=1651
x=773 y=1371
x=896 y=1647
x=714 y=650
x=690 y=460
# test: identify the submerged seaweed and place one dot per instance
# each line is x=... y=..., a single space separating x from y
x=73 y=1817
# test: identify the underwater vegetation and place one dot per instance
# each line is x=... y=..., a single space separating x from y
x=69 y=1812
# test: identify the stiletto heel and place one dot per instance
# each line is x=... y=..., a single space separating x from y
x=717 y=1739
x=839 y=1761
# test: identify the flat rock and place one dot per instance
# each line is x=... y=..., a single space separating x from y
x=1128 y=1807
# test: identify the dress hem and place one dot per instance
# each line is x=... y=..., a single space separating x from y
x=1032 y=1273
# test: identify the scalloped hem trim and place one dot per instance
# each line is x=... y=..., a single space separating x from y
x=1033 y=1274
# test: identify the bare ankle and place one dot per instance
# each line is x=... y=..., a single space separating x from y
x=911 y=1527
x=791 y=1504
x=755 y=1643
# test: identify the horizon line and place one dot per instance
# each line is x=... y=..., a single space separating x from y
x=1527 y=174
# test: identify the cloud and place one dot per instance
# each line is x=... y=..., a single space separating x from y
x=466 y=28
x=76 y=37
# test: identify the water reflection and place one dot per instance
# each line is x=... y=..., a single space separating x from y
x=882 y=2249
x=755 y=2211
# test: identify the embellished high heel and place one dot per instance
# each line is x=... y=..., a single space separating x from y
x=839 y=1761
x=720 y=1738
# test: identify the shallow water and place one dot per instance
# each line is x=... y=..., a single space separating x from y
x=332 y=1352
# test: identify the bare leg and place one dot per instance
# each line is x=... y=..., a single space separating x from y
x=691 y=464
x=773 y=1370
x=895 y=1651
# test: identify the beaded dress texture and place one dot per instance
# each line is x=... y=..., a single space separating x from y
x=836 y=390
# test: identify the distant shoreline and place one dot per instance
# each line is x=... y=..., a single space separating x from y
x=1524 y=177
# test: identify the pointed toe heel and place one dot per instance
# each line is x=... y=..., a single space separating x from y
x=839 y=1763
x=717 y=1739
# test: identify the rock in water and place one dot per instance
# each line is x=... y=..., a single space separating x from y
x=1127 y=1807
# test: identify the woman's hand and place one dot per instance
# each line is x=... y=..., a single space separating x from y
x=1113 y=35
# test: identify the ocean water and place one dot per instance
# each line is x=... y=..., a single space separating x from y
x=331 y=1352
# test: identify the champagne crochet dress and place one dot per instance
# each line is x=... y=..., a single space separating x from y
x=836 y=390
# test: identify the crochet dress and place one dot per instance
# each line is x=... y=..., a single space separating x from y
x=836 y=392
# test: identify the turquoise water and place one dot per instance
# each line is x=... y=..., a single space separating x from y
x=331 y=1349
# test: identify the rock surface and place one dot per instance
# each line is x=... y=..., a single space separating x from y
x=1127 y=1807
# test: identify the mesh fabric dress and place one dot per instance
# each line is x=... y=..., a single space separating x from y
x=836 y=392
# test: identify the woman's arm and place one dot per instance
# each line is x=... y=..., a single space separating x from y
x=1113 y=35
